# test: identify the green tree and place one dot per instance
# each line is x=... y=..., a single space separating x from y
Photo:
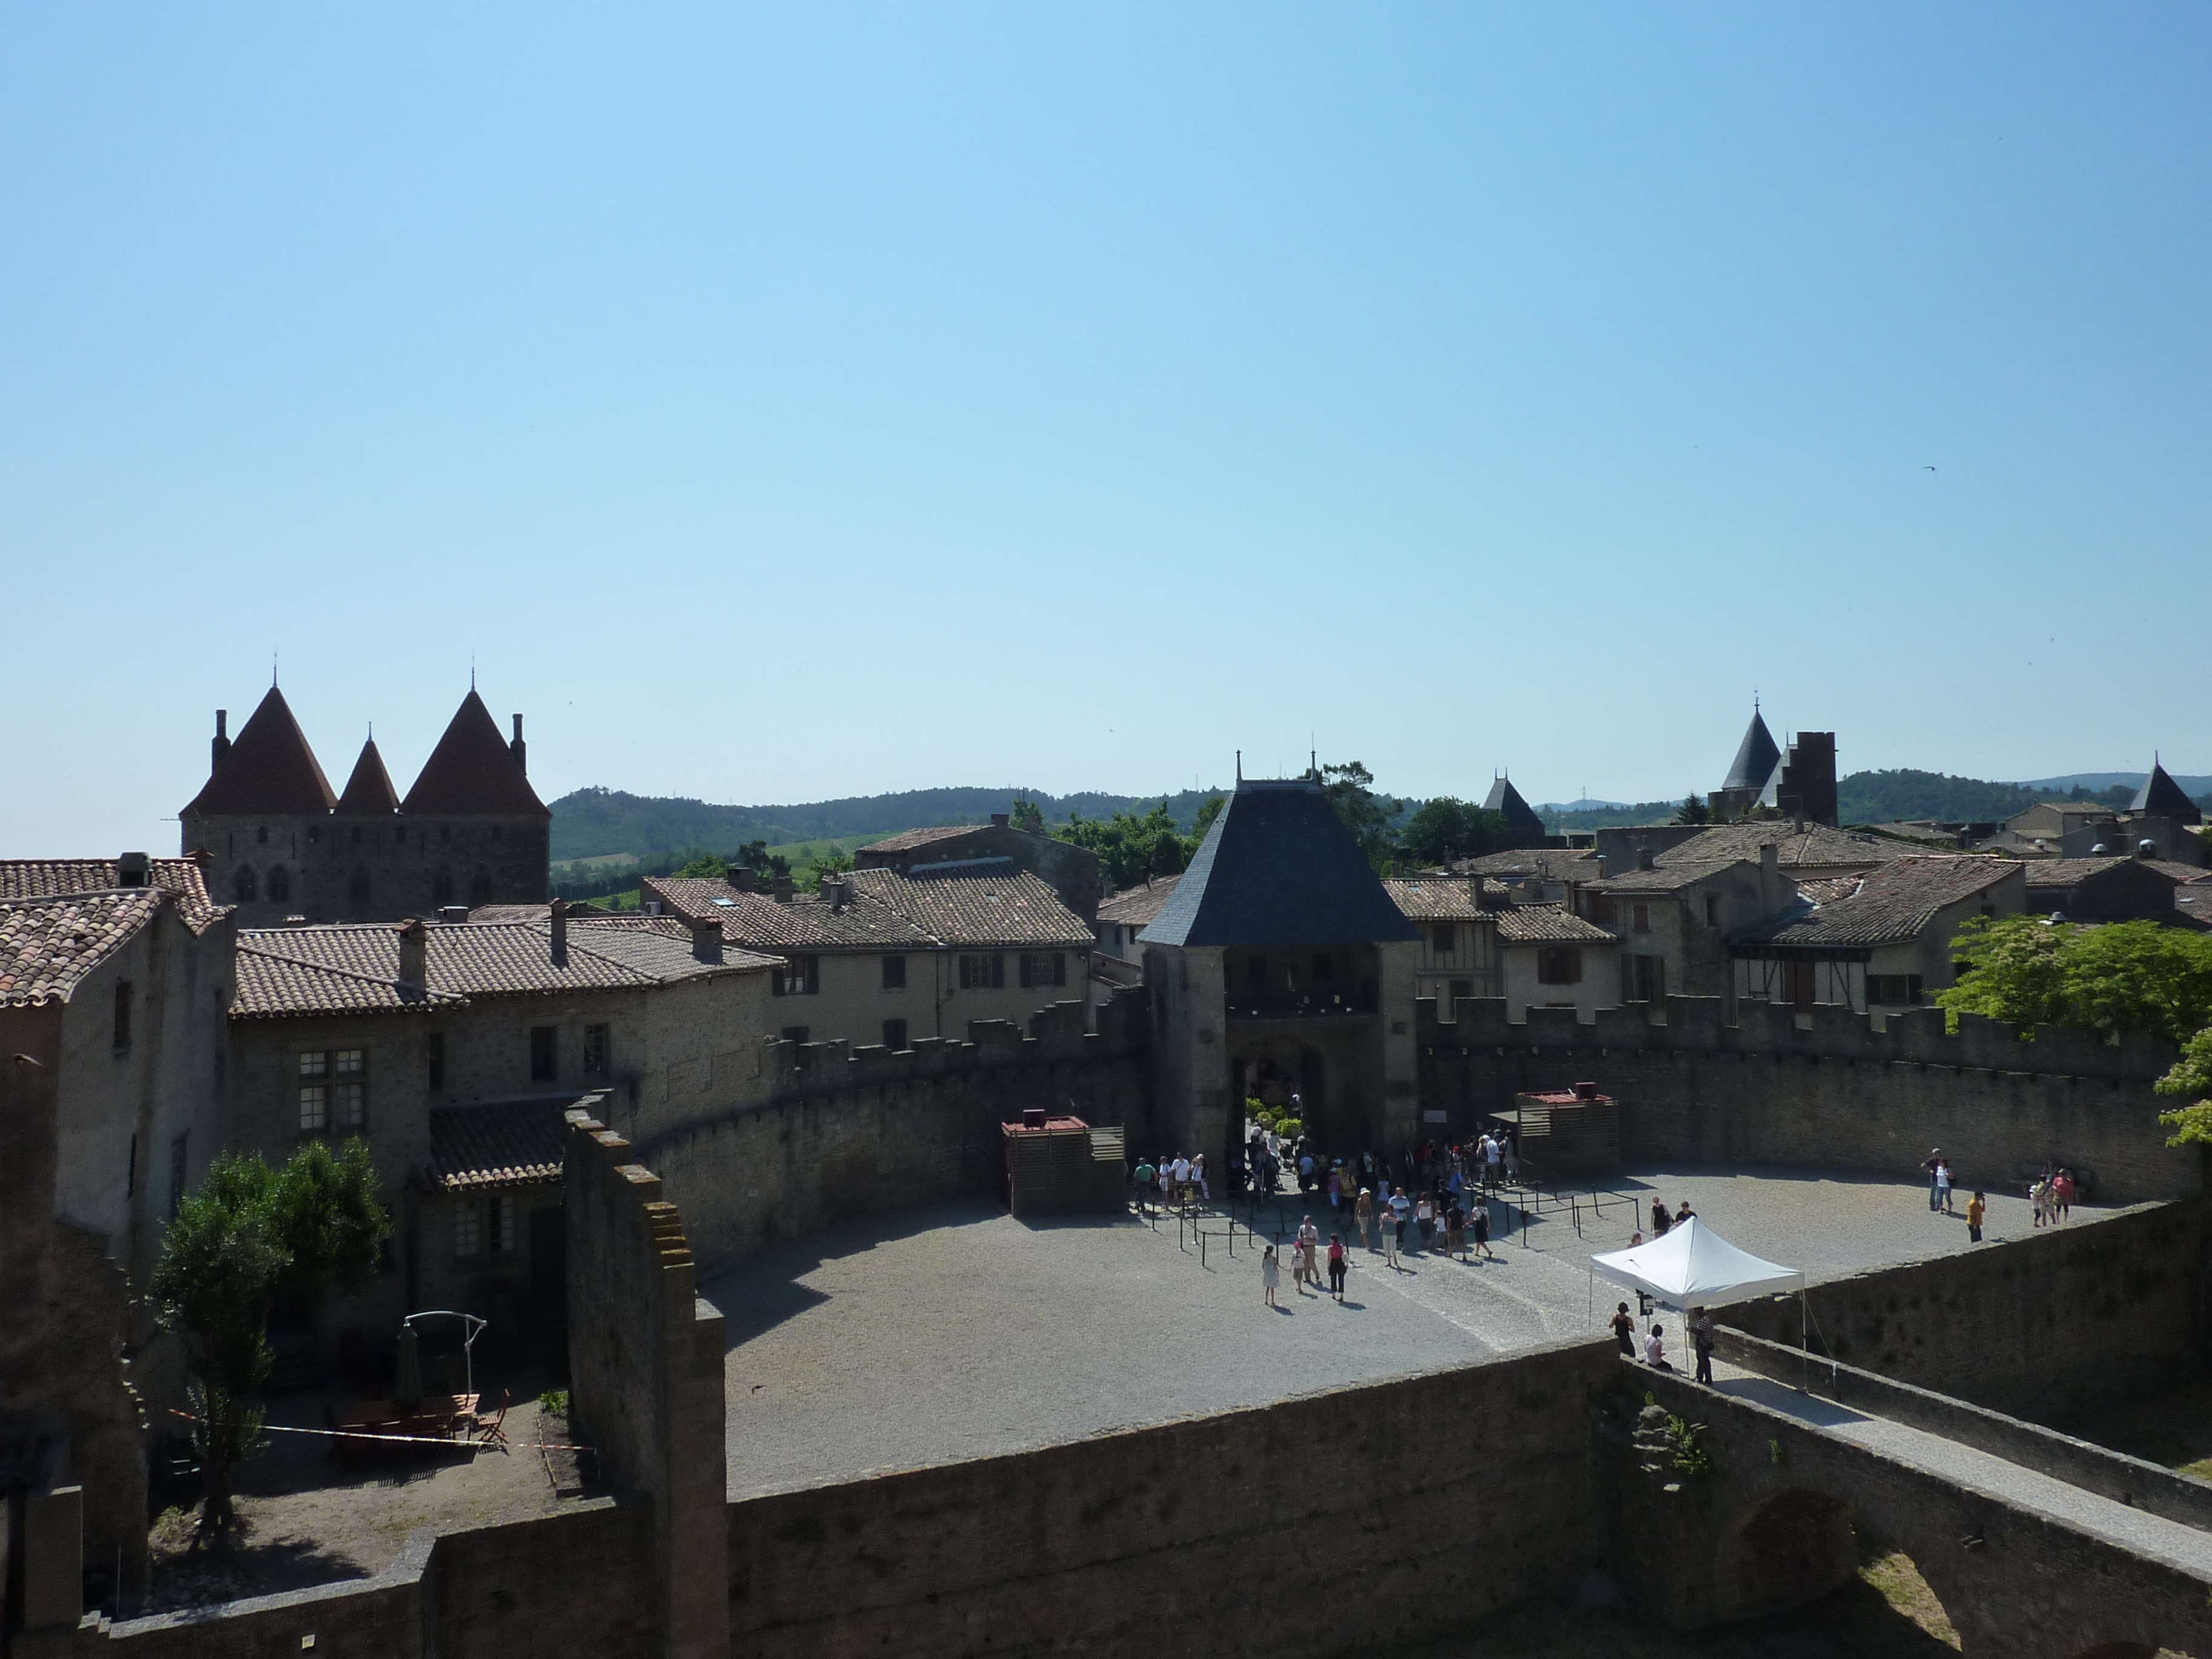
x=247 y=1235
x=1208 y=809
x=1694 y=810
x=1026 y=814
x=2192 y=1075
x=1447 y=828
x=1351 y=790
x=2127 y=976
x=1131 y=849
x=828 y=865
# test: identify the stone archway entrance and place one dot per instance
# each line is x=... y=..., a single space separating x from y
x=1274 y=1068
x=1783 y=1552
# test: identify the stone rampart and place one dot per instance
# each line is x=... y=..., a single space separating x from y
x=2037 y=1326
x=849 y=1130
x=1827 y=1090
x=1186 y=1537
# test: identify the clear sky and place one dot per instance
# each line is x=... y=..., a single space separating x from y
x=783 y=402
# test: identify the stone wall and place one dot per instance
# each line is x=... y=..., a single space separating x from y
x=2037 y=1326
x=847 y=1131
x=1465 y=1489
x=1827 y=1090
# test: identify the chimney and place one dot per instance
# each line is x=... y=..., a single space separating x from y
x=414 y=953
x=556 y=917
x=1000 y=820
x=519 y=749
x=741 y=878
x=131 y=870
x=783 y=890
x=452 y=912
x=1601 y=866
x=221 y=746
x=1643 y=860
x=833 y=892
x=707 y=939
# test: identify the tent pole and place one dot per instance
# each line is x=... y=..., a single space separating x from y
x=1804 y=1345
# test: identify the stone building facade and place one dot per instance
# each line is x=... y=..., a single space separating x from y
x=281 y=844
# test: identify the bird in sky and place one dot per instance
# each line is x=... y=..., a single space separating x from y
x=1927 y=469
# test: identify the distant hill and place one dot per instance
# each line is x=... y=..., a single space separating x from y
x=599 y=822
x=1585 y=804
x=1886 y=797
x=1557 y=821
x=2095 y=780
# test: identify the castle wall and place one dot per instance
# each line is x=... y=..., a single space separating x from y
x=1828 y=1090
x=382 y=869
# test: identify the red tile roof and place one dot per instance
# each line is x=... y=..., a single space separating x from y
x=502 y=1145
x=269 y=770
x=48 y=945
x=965 y=905
x=472 y=772
x=369 y=792
x=1549 y=924
x=23 y=878
x=907 y=839
x=1135 y=907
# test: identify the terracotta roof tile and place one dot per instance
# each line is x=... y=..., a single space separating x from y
x=1440 y=898
x=1666 y=878
x=21 y=878
x=999 y=905
x=1135 y=907
x=908 y=840
x=758 y=921
x=1543 y=863
x=1819 y=845
x=47 y=945
x=1890 y=905
x=2067 y=872
x=506 y=1143
x=1549 y=924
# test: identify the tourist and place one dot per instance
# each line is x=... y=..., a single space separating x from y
x=1510 y=1144
x=1145 y=1176
x=1394 y=1228
x=2063 y=1190
x=1198 y=1176
x=1335 y=1186
x=1336 y=1265
x=2039 y=1195
x=1654 y=1349
x=1943 y=1184
x=1305 y=1167
x=1425 y=1220
x=1977 y=1207
x=1701 y=1335
x=1364 y=1214
x=1270 y=1275
x=1492 y=1159
x=1932 y=1163
x=1456 y=1231
x=1309 y=1243
x=1660 y=1219
x=1684 y=1214
x=1181 y=1190
x=1636 y=1238
x=1624 y=1331
x=1482 y=1230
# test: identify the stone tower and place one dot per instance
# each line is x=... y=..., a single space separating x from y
x=471 y=831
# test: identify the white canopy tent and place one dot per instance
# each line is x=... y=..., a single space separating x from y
x=1691 y=1266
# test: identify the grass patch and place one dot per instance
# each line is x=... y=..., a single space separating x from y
x=1901 y=1584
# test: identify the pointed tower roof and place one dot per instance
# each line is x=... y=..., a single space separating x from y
x=1279 y=867
x=269 y=770
x=1756 y=757
x=2163 y=798
x=473 y=772
x=1505 y=800
x=368 y=792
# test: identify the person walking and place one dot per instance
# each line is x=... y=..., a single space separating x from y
x=1943 y=1185
x=1309 y=1243
x=1660 y=1219
x=1977 y=1207
x=1482 y=1230
x=1456 y=1231
x=1425 y=1221
x=1493 y=1160
x=1393 y=1229
x=1624 y=1331
x=1363 y=1212
x=1510 y=1144
x=1336 y=1266
x=1701 y=1339
x=1270 y=1275
x=1145 y=1175
x=2063 y=1190
x=1932 y=1163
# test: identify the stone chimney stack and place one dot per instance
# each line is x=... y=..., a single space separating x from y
x=131 y=870
x=1644 y=859
x=1000 y=820
x=741 y=878
x=707 y=939
x=556 y=916
x=220 y=745
x=520 y=748
x=414 y=953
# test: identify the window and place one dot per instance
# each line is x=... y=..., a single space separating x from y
x=1559 y=964
x=983 y=972
x=280 y=884
x=1797 y=985
x=434 y=1061
x=241 y=885
x=595 y=1050
x=1043 y=968
x=1255 y=971
x=1444 y=939
x=1643 y=978
x=349 y=1094
x=799 y=976
x=1640 y=918
x=543 y=1053
x=895 y=973
x=180 y=1163
x=1600 y=909
x=314 y=1093
x=1322 y=965
x=468 y=1229
x=122 y=1015
x=894 y=1034
x=1712 y=910
x=1895 y=989
x=794 y=1034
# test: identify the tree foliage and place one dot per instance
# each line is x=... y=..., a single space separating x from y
x=1133 y=850
x=2192 y=1075
x=1026 y=814
x=2127 y=976
x=1694 y=810
x=249 y=1235
x=1447 y=828
x=1350 y=788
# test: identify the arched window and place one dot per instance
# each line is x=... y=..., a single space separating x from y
x=357 y=890
x=480 y=886
x=442 y=886
x=241 y=886
x=280 y=884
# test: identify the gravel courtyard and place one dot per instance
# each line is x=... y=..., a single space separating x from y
x=932 y=1336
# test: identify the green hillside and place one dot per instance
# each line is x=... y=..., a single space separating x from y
x=1886 y=797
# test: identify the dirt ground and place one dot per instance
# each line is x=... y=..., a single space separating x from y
x=307 y=1517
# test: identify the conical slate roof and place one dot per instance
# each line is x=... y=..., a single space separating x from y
x=473 y=771
x=1279 y=868
x=2163 y=798
x=368 y=792
x=1756 y=757
x=1505 y=800
x=268 y=770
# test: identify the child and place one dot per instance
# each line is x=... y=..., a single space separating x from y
x=1977 y=1207
x=1270 y=1275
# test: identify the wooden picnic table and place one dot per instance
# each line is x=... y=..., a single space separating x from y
x=434 y=1414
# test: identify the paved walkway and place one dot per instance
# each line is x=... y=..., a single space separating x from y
x=1984 y=1472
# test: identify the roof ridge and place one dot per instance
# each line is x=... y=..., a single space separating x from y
x=429 y=992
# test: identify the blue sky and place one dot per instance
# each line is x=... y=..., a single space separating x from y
x=784 y=402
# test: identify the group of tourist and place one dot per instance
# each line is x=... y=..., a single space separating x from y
x=1274 y=1164
x=1177 y=1179
x=1654 y=1342
x=2050 y=1195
